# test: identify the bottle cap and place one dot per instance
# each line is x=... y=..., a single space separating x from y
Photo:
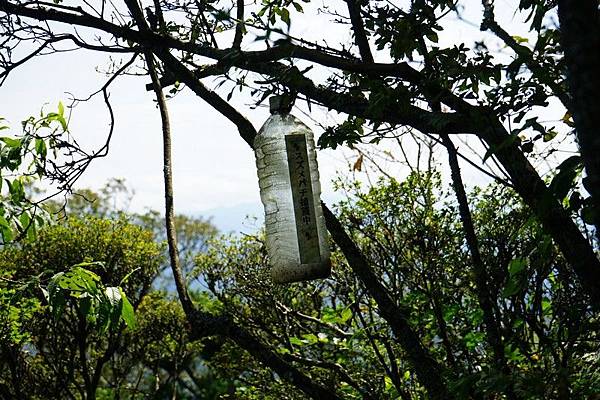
x=281 y=104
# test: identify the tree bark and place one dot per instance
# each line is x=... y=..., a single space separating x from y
x=554 y=218
x=490 y=319
x=580 y=40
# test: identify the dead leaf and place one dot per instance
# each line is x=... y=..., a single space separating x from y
x=358 y=164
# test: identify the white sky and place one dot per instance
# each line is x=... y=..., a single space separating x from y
x=214 y=169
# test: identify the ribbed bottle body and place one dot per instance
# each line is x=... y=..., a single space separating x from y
x=296 y=236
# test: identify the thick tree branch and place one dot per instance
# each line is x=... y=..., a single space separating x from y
x=203 y=72
x=360 y=36
x=404 y=113
x=580 y=39
x=480 y=273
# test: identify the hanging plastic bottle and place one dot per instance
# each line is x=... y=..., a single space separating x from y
x=296 y=236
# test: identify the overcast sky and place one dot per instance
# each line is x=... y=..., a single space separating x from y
x=214 y=170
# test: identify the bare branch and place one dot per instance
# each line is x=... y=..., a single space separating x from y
x=360 y=36
x=184 y=297
x=239 y=27
x=186 y=76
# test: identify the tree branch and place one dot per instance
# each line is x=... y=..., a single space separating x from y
x=184 y=298
x=541 y=73
x=198 y=320
x=427 y=369
x=491 y=322
x=186 y=301
x=580 y=40
x=430 y=372
x=360 y=36
x=245 y=128
x=204 y=324
x=554 y=218
x=239 y=27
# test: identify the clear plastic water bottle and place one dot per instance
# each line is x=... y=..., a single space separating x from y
x=290 y=191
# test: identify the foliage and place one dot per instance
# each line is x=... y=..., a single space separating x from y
x=113 y=200
x=64 y=315
x=497 y=298
x=103 y=307
x=56 y=298
x=422 y=84
x=411 y=233
x=25 y=158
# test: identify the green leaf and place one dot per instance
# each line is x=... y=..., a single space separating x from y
x=549 y=135
x=520 y=39
x=546 y=305
x=40 y=147
x=61 y=109
x=127 y=312
x=432 y=36
x=389 y=384
x=296 y=341
x=57 y=117
x=346 y=315
x=517 y=265
x=56 y=297
x=568 y=120
x=564 y=180
x=25 y=220
x=285 y=16
x=78 y=282
x=16 y=190
x=4 y=222
x=10 y=142
x=5 y=230
x=85 y=307
x=311 y=338
x=517 y=279
x=473 y=339
x=63 y=122
x=104 y=315
x=513 y=286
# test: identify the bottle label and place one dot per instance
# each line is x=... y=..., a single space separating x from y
x=302 y=196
